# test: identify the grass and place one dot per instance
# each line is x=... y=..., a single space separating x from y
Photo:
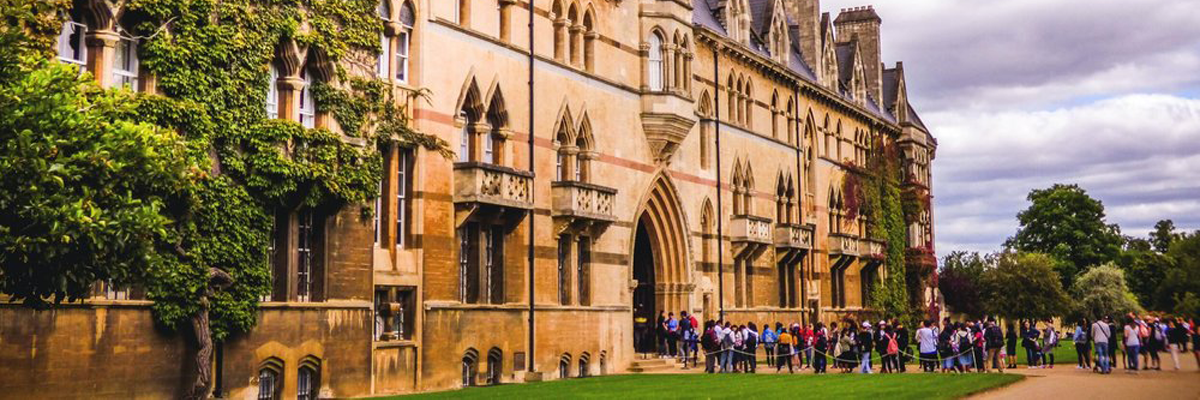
x=693 y=386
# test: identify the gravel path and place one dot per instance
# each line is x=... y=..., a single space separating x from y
x=1066 y=382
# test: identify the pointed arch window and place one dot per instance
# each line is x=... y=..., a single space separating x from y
x=270 y=382
x=72 y=49
x=308 y=379
x=384 y=10
x=272 y=103
x=408 y=17
x=308 y=108
x=469 y=368
x=655 y=60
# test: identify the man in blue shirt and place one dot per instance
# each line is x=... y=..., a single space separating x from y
x=769 y=338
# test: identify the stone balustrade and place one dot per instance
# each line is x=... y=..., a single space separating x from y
x=583 y=200
x=476 y=182
x=794 y=236
x=750 y=229
x=843 y=244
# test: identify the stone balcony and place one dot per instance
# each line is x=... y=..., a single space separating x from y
x=790 y=236
x=874 y=249
x=493 y=185
x=841 y=244
x=750 y=229
x=585 y=201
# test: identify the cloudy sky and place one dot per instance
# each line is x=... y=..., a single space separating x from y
x=1022 y=94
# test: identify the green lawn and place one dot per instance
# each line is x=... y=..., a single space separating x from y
x=701 y=386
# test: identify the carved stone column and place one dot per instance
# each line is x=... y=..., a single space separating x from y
x=102 y=49
x=560 y=39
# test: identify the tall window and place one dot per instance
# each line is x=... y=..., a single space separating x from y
x=304 y=256
x=71 y=46
x=394 y=312
x=308 y=110
x=655 y=60
x=307 y=383
x=269 y=384
x=408 y=18
x=464 y=144
x=469 y=368
x=385 y=43
x=564 y=270
x=495 y=366
x=272 y=103
x=125 y=63
x=583 y=271
x=404 y=165
x=564 y=366
x=481 y=263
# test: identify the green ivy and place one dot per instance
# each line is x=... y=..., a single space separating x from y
x=211 y=61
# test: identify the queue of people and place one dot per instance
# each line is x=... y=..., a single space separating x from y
x=947 y=347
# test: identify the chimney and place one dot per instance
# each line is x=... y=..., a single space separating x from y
x=863 y=23
x=806 y=15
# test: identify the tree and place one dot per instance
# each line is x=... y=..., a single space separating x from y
x=1182 y=278
x=1163 y=235
x=1066 y=223
x=1024 y=286
x=1101 y=291
x=959 y=282
x=1145 y=270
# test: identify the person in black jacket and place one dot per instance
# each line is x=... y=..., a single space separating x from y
x=1010 y=346
x=866 y=339
x=993 y=340
x=902 y=341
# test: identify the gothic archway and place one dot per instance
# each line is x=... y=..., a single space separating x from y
x=659 y=257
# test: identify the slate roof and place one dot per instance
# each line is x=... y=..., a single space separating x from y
x=706 y=14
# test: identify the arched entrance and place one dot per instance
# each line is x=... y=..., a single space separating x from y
x=660 y=266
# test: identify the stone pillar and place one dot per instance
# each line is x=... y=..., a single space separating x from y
x=589 y=51
x=289 y=97
x=479 y=131
x=576 y=45
x=506 y=20
x=569 y=162
x=102 y=48
x=560 y=39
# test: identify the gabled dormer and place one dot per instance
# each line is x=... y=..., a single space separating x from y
x=828 y=70
x=736 y=16
x=779 y=42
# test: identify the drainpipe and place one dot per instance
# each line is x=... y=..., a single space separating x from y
x=800 y=190
x=530 y=359
x=720 y=213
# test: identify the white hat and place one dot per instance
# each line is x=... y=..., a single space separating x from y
x=866 y=324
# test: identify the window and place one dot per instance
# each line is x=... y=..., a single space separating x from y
x=71 y=46
x=481 y=263
x=655 y=60
x=464 y=144
x=269 y=384
x=404 y=166
x=468 y=368
x=564 y=271
x=564 y=366
x=583 y=271
x=304 y=256
x=385 y=43
x=273 y=94
x=495 y=366
x=308 y=110
x=307 y=382
x=583 y=366
x=270 y=261
x=394 y=312
x=403 y=39
x=125 y=63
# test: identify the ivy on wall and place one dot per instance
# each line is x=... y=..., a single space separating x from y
x=210 y=58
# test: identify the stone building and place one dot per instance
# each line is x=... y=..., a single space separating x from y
x=685 y=155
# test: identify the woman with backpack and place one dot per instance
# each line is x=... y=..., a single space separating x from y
x=963 y=347
x=820 y=345
x=946 y=348
x=784 y=349
x=891 y=360
x=770 y=338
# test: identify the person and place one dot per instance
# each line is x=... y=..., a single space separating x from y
x=980 y=353
x=711 y=343
x=963 y=347
x=751 y=348
x=821 y=346
x=1177 y=337
x=1010 y=346
x=927 y=346
x=685 y=325
x=1082 y=352
x=784 y=349
x=1158 y=342
x=994 y=343
x=769 y=340
x=672 y=335
x=739 y=348
x=726 y=349
x=879 y=341
x=865 y=341
x=1049 y=343
x=1030 y=343
x=902 y=339
x=946 y=348
x=1133 y=343
x=1196 y=342
x=808 y=345
x=848 y=355
x=660 y=335
x=892 y=361
x=1101 y=334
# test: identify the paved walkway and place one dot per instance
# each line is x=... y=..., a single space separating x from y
x=1067 y=382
